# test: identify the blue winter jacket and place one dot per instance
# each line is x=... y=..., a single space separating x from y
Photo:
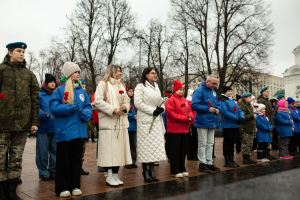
x=229 y=117
x=283 y=124
x=264 y=127
x=296 y=119
x=70 y=121
x=203 y=118
x=46 y=123
x=164 y=116
x=132 y=121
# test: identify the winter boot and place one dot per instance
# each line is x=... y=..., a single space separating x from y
x=110 y=181
x=232 y=160
x=151 y=172
x=3 y=190
x=247 y=160
x=269 y=156
x=11 y=187
x=203 y=168
x=253 y=162
x=228 y=162
x=146 y=173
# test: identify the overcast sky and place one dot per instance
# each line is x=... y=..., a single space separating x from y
x=36 y=21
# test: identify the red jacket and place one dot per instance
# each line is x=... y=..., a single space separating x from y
x=177 y=118
x=194 y=113
x=95 y=113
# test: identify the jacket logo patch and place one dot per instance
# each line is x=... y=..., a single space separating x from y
x=214 y=93
x=81 y=96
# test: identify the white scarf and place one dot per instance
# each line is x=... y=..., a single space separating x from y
x=112 y=98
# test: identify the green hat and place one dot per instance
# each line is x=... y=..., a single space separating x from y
x=280 y=96
x=16 y=45
x=264 y=89
x=83 y=82
x=246 y=95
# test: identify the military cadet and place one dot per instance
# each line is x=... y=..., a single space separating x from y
x=19 y=115
x=264 y=99
x=247 y=129
x=45 y=140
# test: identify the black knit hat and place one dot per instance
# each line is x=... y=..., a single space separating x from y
x=225 y=89
x=238 y=97
x=49 y=78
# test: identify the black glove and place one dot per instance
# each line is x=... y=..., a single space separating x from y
x=240 y=121
x=125 y=111
x=158 y=111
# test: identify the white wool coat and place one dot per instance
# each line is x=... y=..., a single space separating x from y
x=150 y=146
x=112 y=151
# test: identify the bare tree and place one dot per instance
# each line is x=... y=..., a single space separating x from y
x=235 y=36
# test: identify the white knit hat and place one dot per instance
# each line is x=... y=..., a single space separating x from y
x=70 y=68
x=260 y=106
x=190 y=92
x=296 y=99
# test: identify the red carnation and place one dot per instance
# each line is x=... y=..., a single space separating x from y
x=167 y=94
x=293 y=108
x=266 y=114
x=127 y=88
x=210 y=104
x=66 y=94
x=235 y=108
x=182 y=105
x=2 y=96
x=66 y=98
x=274 y=111
x=121 y=92
x=131 y=108
x=293 y=103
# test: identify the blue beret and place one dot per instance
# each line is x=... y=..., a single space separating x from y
x=82 y=82
x=16 y=45
x=262 y=90
x=280 y=96
x=246 y=94
x=290 y=100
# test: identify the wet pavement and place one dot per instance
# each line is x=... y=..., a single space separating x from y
x=278 y=176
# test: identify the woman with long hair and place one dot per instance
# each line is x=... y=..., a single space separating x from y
x=113 y=144
x=150 y=143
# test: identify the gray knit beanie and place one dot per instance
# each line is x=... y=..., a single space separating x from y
x=70 y=68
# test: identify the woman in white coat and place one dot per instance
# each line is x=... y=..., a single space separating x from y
x=113 y=143
x=150 y=145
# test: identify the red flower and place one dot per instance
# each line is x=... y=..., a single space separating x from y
x=66 y=94
x=293 y=103
x=182 y=105
x=167 y=94
x=235 y=108
x=266 y=114
x=131 y=108
x=255 y=106
x=121 y=92
x=293 y=108
x=127 y=88
x=274 y=111
x=2 y=96
x=66 y=98
x=210 y=104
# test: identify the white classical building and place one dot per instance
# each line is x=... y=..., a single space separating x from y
x=292 y=77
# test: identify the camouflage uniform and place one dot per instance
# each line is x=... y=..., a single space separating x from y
x=263 y=100
x=247 y=129
x=19 y=111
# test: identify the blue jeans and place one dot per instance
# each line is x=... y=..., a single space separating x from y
x=45 y=151
x=132 y=141
x=205 y=145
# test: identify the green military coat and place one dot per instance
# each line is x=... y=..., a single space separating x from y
x=250 y=125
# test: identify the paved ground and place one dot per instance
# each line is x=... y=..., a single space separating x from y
x=33 y=188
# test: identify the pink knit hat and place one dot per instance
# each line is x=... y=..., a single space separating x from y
x=281 y=103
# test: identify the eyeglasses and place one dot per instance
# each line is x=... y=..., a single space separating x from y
x=155 y=74
x=216 y=84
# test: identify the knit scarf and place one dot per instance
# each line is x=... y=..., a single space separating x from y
x=283 y=109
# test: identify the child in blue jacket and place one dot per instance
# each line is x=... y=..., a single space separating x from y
x=284 y=126
x=264 y=127
x=71 y=114
x=294 y=140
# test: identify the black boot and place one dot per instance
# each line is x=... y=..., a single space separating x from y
x=151 y=172
x=3 y=190
x=228 y=162
x=82 y=172
x=269 y=156
x=247 y=160
x=11 y=187
x=253 y=162
x=232 y=160
x=146 y=173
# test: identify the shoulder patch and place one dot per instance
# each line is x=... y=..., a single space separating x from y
x=82 y=98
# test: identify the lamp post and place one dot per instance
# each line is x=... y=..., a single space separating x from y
x=140 y=37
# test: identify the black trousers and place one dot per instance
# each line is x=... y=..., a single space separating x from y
x=254 y=146
x=192 y=148
x=115 y=170
x=294 y=140
x=238 y=145
x=275 y=139
x=230 y=138
x=262 y=150
x=68 y=165
x=178 y=148
x=167 y=143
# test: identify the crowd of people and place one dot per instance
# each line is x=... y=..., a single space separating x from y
x=134 y=124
